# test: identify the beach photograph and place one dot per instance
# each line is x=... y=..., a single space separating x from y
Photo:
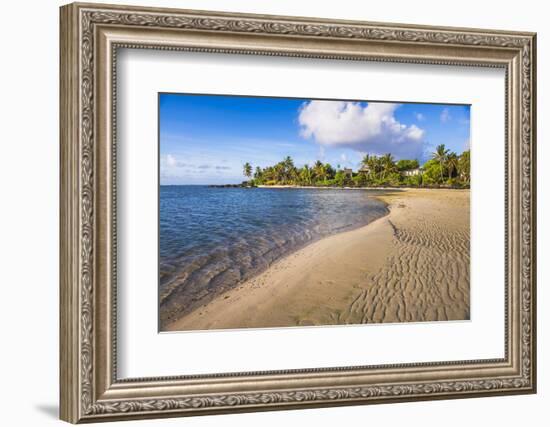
x=291 y=212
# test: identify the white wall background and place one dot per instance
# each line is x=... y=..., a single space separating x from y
x=29 y=171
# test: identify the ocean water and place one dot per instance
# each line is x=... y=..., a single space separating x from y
x=211 y=239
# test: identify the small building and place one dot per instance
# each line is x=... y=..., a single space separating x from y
x=412 y=172
x=364 y=169
x=348 y=172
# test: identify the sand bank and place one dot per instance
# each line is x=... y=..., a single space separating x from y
x=409 y=266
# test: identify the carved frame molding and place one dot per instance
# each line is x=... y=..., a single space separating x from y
x=90 y=37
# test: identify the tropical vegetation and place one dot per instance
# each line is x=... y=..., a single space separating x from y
x=444 y=169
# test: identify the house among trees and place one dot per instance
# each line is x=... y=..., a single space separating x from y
x=412 y=172
x=445 y=168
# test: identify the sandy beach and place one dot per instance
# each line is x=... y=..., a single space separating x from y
x=412 y=265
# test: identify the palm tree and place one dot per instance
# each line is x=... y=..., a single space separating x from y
x=464 y=166
x=376 y=165
x=258 y=174
x=319 y=170
x=329 y=171
x=365 y=164
x=268 y=174
x=388 y=165
x=247 y=170
x=372 y=165
x=440 y=154
x=288 y=162
x=378 y=169
x=452 y=163
x=289 y=170
x=279 y=172
x=305 y=174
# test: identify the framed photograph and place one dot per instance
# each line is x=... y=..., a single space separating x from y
x=265 y=212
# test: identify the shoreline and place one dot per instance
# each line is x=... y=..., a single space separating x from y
x=167 y=289
x=382 y=272
x=319 y=187
x=314 y=187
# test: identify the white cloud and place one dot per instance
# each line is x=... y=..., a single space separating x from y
x=344 y=157
x=419 y=116
x=171 y=161
x=372 y=128
x=173 y=164
x=445 y=116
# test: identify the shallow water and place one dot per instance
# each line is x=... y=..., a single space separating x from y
x=213 y=238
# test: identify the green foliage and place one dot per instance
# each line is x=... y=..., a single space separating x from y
x=464 y=167
x=247 y=170
x=360 y=180
x=413 y=181
x=440 y=155
x=394 y=179
x=258 y=176
x=404 y=164
x=445 y=168
x=319 y=171
x=339 y=178
x=453 y=182
x=432 y=172
x=305 y=175
x=452 y=165
x=330 y=172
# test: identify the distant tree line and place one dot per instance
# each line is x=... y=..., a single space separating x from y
x=444 y=169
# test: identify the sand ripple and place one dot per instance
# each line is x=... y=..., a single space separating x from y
x=410 y=266
x=426 y=277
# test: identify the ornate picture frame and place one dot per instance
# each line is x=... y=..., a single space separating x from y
x=90 y=37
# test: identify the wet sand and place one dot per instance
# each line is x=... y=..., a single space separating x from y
x=412 y=265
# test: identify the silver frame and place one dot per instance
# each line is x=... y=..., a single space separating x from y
x=90 y=37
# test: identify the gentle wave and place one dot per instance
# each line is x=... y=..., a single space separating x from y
x=211 y=239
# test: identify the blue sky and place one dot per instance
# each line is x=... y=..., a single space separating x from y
x=205 y=139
